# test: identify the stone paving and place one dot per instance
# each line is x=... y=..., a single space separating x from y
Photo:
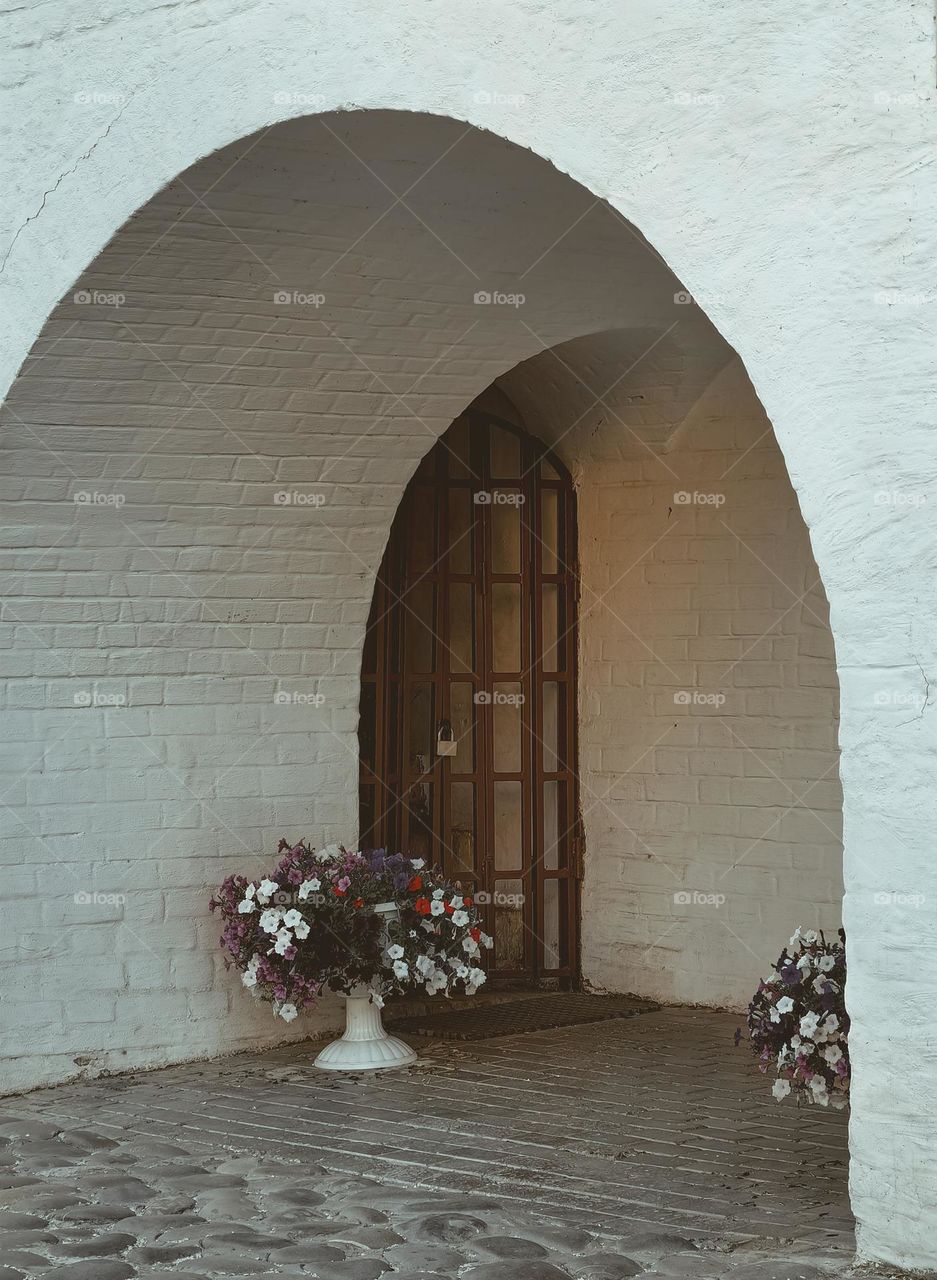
x=646 y=1147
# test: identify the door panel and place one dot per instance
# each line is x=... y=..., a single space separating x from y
x=472 y=635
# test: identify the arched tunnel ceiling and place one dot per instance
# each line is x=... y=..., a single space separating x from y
x=401 y=221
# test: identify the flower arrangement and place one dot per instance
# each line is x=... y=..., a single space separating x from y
x=797 y=1021
x=311 y=925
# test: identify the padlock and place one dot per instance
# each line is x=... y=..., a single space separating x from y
x=445 y=743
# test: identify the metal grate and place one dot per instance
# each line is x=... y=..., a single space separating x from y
x=518 y=1017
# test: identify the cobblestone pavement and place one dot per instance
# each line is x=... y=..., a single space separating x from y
x=646 y=1147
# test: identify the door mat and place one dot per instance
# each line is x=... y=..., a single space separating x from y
x=517 y=1017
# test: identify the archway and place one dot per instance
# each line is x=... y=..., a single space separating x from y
x=251 y=391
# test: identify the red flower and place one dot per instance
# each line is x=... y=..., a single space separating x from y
x=467 y=901
x=340 y=893
x=359 y=902
x=449 y=908
x=415 y=884
x=476 y=934
x=422 y=905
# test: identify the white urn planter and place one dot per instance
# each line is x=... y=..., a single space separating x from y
x=365 y=1045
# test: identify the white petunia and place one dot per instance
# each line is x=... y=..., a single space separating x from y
x=478 y=977
x=826 y=963
x=461 y=970
x=330 y=851
x=438 y=893
x=456 y=902
x=395 y=952
x=470 y=946
x=818 y=1089
x=270 y=921
x=794 y=943
x=830 y=1024
x=436 y=907
x=249 y=977
x=307 y=887
x=417 y=863
x=245 y=906
x=832 y=1053
x=377 y=999
x=460 y=918
x=808 y=1025
x=424 y=965
x=785 y=1004
x=284 y=940
x=781 y=1089
x=811 y=936
x=266 y=890
x=487 y=941
x=401 y=969
x=250 y=890
x=292 y=918
x=302 y=930
x=774 y=1015
x=288 y=1012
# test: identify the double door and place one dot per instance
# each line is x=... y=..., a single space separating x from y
x=468 y=719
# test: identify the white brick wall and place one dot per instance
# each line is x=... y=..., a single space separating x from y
x=709 y=713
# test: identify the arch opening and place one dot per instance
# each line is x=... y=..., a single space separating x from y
x=208 y=445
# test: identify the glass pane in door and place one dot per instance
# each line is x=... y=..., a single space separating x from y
x=508 y=826
x=461 y=861
x=506 y=626
x=509 y=933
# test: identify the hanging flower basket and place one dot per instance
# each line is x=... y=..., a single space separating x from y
x=797 y=1021
x=367 y=925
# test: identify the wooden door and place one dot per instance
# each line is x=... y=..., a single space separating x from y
x=472 y=638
